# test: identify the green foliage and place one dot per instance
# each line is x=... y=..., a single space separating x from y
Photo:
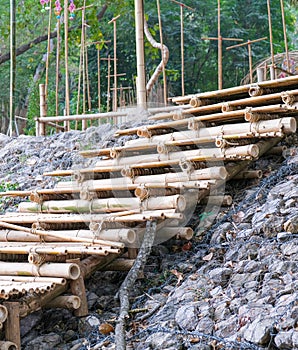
x=245 y=19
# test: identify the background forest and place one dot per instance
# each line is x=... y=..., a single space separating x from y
x=245 y=19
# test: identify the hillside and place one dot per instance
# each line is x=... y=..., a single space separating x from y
x=234 y=287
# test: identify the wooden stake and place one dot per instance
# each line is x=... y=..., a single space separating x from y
x=77 y=288
x=165 y=94
x=12 y=324
x=67 y=102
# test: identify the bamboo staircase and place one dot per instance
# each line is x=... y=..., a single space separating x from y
x=95 y=218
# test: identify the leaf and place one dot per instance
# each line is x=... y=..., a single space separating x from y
x=208 y=257
x=179 y=276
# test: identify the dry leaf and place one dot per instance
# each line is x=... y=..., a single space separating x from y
x=105 y=328
x=208 y=257
x=179 y=276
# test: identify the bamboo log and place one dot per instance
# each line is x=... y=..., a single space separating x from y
x=64 y=270
x=225 y=200
x=120 y=264
x=8 y=345
x=289 y=97
x=71 y=302
x=249 y=174
x=179 y=232
x=3 y=314
x=123 y=235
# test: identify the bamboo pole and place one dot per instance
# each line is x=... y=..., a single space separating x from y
x=239 y=90
x=67 y=102
x=54 y=234
x=249 y=174
x=219 y=41
x=71 y=302
x=104 y=205
x=78 y=218
x=48 y=49
x=141 y=80
x=165 y=94
x=109 y=84
x=272 y=67
x=64 y=270
x=12 y=66
x=285 y=34
x=114 y=21
x=40 y=126
x=57 y=67
x=98 y=80
x=248 y=43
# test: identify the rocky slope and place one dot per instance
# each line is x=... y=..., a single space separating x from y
x=235 y=287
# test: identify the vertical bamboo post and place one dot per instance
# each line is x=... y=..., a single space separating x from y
x=98 y=77
x=272 y=67
x=87 y=80
x=12 y=323
x=57 y=67
x=48 y=49
x=12 y=64
x=77 y=288
x=182 y=49
x=141 y=80
x=109 y=84
x=67 y=104
x=182 y=41
x=83 y=64
x=114 y=21
x=250 y=60
x=219 y=47
x=163 y=63
x=42 y=110
x=285 y=34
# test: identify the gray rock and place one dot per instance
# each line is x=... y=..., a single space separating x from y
x=259 y=331
x=44 y=342
x=287 y=340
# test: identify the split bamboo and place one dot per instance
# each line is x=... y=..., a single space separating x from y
x=65 y=270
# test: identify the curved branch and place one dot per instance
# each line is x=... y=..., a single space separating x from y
x=164 y=61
